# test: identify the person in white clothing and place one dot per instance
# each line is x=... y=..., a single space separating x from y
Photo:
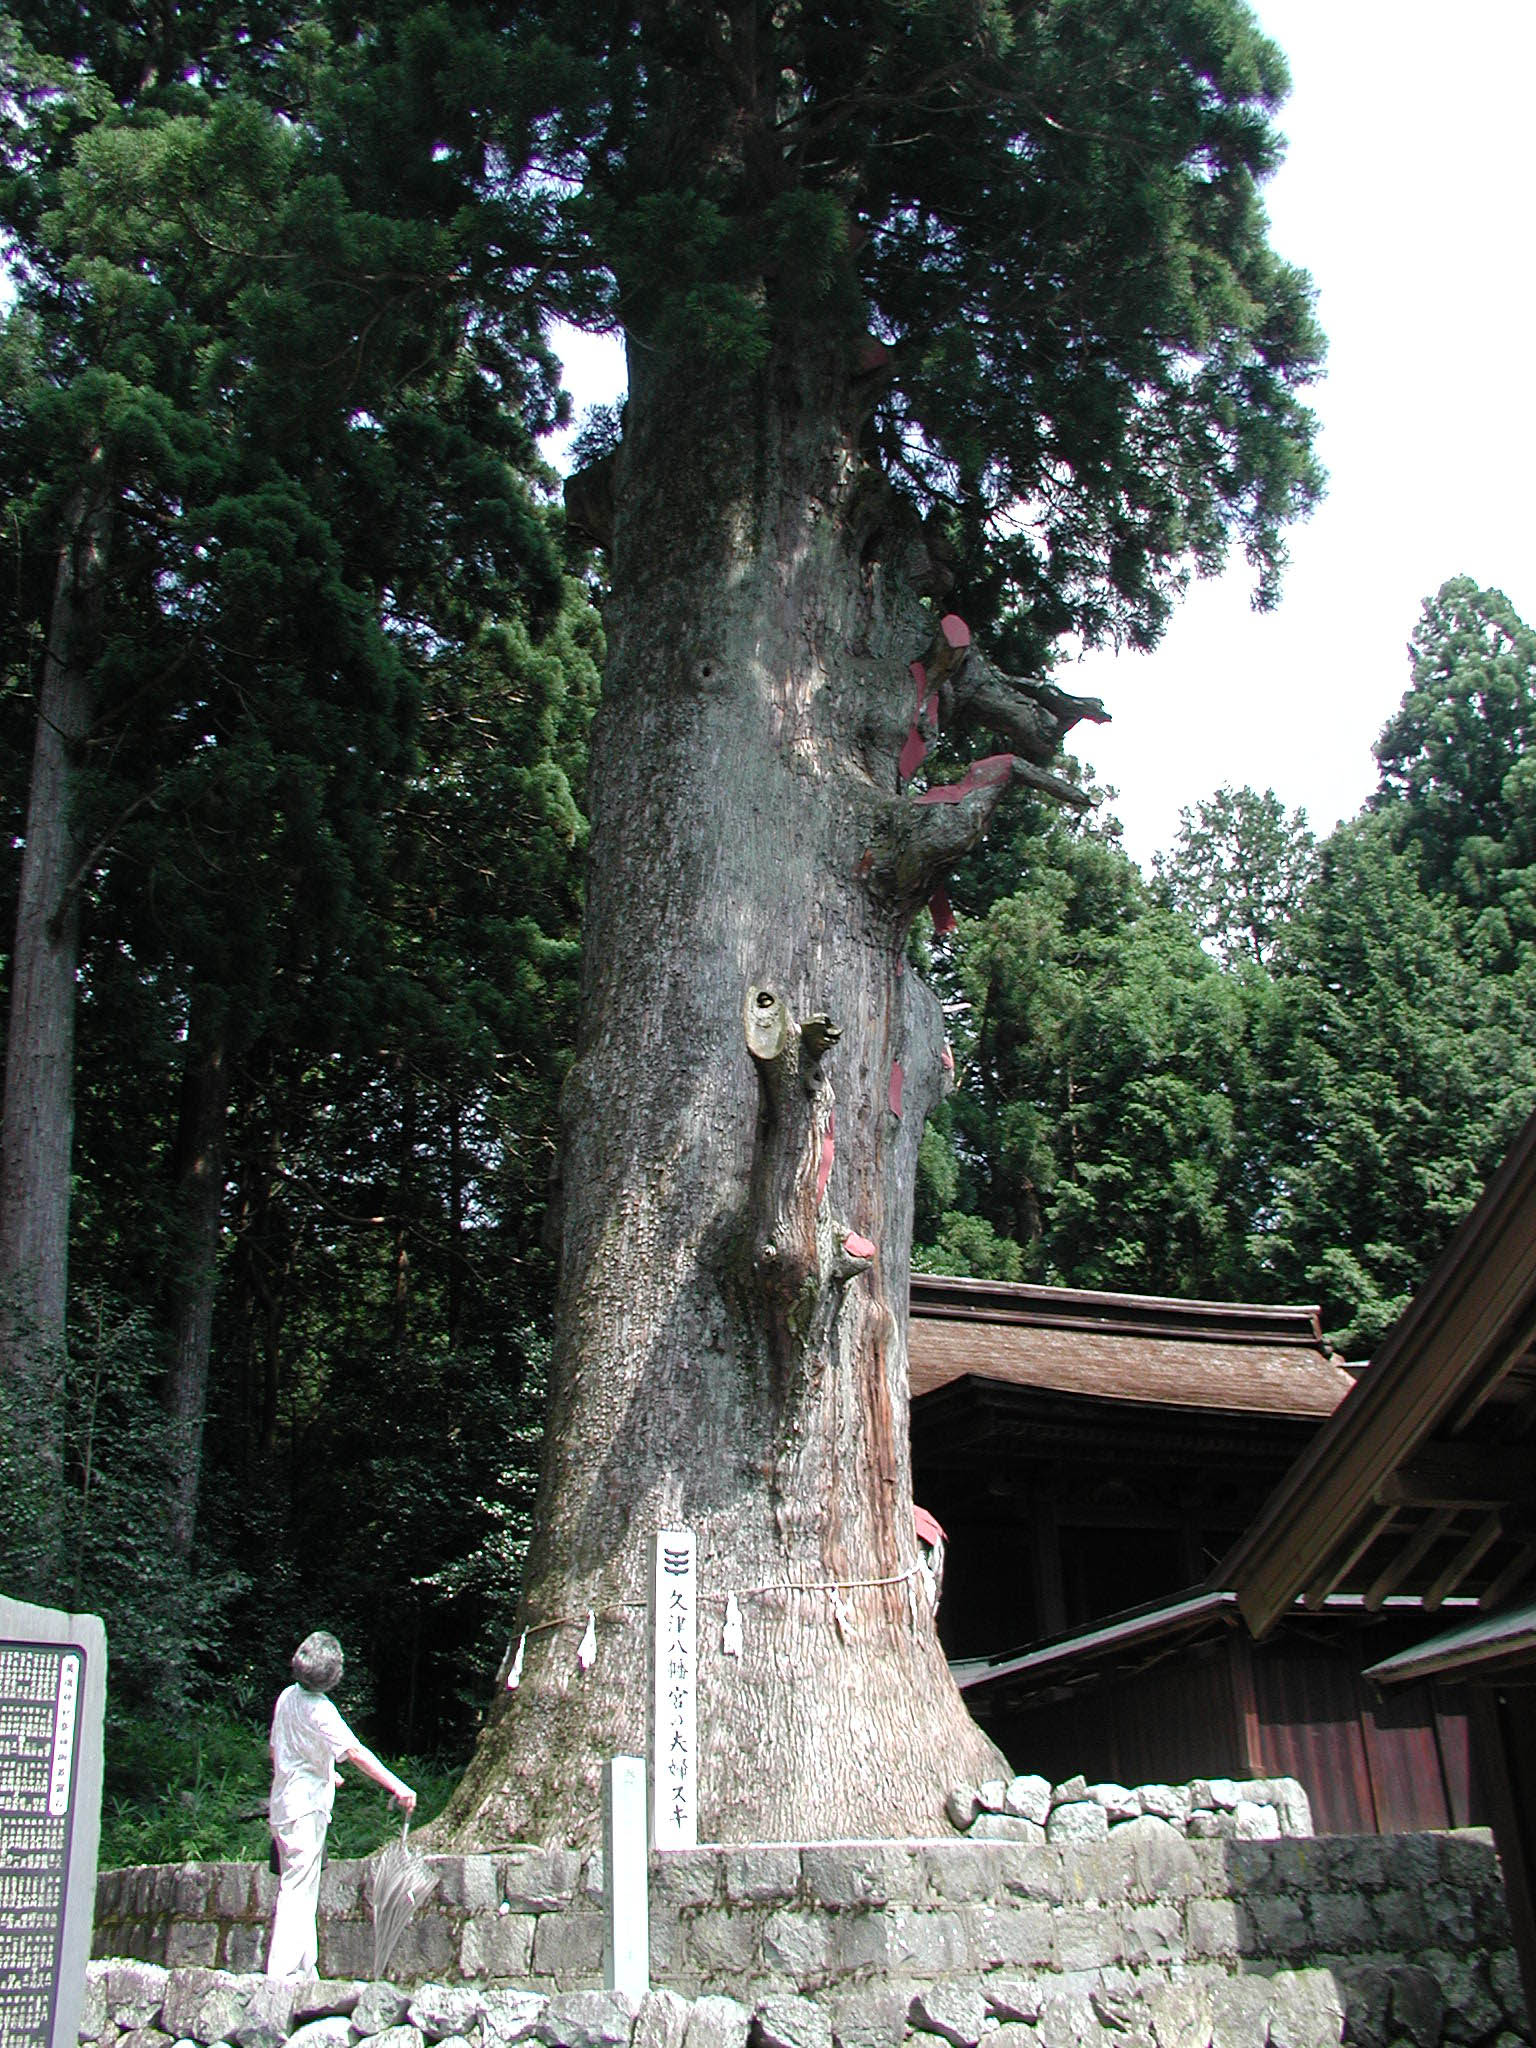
x=309 y=1739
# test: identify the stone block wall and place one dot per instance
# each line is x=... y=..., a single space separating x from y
x=1146 y=1939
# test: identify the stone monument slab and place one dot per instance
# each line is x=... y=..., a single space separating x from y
x=53 y=1690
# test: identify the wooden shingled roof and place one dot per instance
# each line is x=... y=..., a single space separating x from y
x=1129 y=1348
x=1423 y=1482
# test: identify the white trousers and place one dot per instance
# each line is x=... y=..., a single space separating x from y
x=295 y=1945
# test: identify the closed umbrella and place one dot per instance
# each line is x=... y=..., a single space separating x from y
x=401 y=1880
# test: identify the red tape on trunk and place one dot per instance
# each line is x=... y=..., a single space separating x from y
x=993 y=768
x=828 y=1153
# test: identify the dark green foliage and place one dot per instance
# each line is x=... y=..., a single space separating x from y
x=376 y=1412
x=192 y=1790
x=1306 y=1108
x=1416 y=1062
x=188 y=1788
x=1049 y=217
x=1107 y=1068
x=273 y=303
x=161 y=1612
x=1458 y=784
x=1412 y=971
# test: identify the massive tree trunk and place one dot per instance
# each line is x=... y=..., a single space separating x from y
x=731 y=1333
x=37 y=1128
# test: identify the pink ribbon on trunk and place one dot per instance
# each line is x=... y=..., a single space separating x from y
x=983 y=774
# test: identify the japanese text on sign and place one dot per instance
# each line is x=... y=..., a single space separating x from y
x=674 y=1723
x=39 y=1708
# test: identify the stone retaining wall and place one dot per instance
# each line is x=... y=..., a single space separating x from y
x=1144 y=1940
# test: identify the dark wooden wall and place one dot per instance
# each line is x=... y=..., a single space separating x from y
x=1504 y=1736
x=1295 y=1706
x=1164 y=1726
x=1374 y=1761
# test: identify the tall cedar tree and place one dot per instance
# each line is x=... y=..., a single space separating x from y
x=1458 y=760
x=1237 y=871
x=945 y=321
x=1411 y=973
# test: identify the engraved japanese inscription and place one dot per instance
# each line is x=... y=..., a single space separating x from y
x=674 y=1720
x=50 y=1713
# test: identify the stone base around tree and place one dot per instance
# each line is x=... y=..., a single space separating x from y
x=1145 y=1939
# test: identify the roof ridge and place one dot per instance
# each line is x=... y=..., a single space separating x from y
x=938 y=1296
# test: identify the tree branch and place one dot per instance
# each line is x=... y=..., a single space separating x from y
x=914 y=840
x=1033 y=717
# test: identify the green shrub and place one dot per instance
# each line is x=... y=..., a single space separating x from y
x=165 y=1615
x=193 y=1789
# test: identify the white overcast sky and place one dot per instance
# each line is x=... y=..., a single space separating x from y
x=1408 y=194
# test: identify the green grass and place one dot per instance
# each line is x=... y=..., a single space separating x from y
x=195 y=1791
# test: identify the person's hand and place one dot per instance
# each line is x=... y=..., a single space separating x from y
x=405 y=1799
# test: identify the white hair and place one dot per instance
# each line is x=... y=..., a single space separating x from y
x=317 y=1662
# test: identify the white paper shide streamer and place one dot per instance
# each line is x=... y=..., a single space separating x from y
x=586 y=1650
x=730 y=1636
x=515 y=1672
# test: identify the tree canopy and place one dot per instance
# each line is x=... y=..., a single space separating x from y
x=1238 y=870
x=1040 y=224
x=1455 y=760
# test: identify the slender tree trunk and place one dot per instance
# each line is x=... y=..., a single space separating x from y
x=405 y=1172
x=243 y=1319
x=728 y=1354
x=271 y=1297
x=37 y=1127
x=455 y=1315
x=198 y=1166
x=262 y=1257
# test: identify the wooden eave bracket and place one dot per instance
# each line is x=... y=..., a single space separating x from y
x=1462 y=1475
x=1473 y=1319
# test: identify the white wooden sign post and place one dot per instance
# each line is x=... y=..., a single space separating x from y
x=674 y=1691
x=627 y=1943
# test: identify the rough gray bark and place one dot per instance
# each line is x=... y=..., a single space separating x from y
x=728 y=1354
x=37 y=1126
x=198 y=1165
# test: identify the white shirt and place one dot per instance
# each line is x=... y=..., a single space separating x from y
x=308 y=1735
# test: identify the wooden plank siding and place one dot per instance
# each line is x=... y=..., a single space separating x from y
x=1454 y=1728
x=1163 y=1726
x=1290 y=1707
x=1402 y=1743
x=1309 y=1722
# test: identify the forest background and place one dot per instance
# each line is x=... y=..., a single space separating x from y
x=324 y=802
